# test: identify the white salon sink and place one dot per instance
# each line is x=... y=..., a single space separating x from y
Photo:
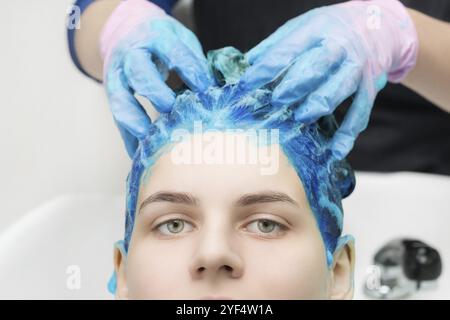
x=63 y=249
x=71 y=236
x=388 y=206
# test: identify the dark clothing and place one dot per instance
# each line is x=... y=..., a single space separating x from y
x=405 y=131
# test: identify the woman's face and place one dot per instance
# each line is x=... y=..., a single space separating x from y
x=226 y=230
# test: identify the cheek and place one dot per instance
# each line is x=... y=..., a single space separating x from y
x=154 y=269
x=289 y=270
x=292 y=268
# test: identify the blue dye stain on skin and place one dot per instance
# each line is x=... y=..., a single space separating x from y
x=326 y=180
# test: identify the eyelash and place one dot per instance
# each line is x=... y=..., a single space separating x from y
x=167 y=222
x=282 y=228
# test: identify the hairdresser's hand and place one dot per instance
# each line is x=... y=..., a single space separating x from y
x=140 y=43
x=329 y=53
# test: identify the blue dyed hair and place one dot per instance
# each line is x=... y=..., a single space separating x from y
x=326 y=180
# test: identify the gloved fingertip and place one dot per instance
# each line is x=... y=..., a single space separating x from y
x=163 y=104
x=302 y=114
x=337 y=154
x=381 y=82
x=341 y=146
x=130 y=150
x=163 y=109
x=243 y=85
x=281 y=99
x=131 y=142
x=277 y=94
x=204 y=82
x=246 y=81
x=276 y=102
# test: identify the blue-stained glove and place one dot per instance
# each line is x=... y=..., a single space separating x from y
x=139 y=44
x=327 y=54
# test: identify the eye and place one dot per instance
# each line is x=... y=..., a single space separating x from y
x=266 y=227
x=174 y=227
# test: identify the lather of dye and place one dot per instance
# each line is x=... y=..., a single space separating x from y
x=325 y=179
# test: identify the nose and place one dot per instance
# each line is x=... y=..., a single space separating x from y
x=215 y=257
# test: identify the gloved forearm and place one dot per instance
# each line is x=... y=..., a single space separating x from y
x=84 y=42
x=431 y=76
x=87 y=38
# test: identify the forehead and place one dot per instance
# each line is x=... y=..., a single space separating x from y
x=223 y=164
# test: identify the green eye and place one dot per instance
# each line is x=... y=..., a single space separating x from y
x=174 y=226
x=266 y=227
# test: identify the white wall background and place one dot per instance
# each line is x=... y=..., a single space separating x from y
x=56 y=132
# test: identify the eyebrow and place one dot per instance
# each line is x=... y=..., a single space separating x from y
x=172 y=197
x=264 y=197
x=245 y=200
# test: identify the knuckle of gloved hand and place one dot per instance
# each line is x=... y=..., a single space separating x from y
x=355 y=65
x=335 y=51
x=129 y=63
x=320 y=102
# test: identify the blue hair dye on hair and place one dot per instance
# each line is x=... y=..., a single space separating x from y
x=325 y=179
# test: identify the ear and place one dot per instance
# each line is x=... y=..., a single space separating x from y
x=342 y=286
x=119 y=268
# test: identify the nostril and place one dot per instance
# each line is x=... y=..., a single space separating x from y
x=226 y=267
